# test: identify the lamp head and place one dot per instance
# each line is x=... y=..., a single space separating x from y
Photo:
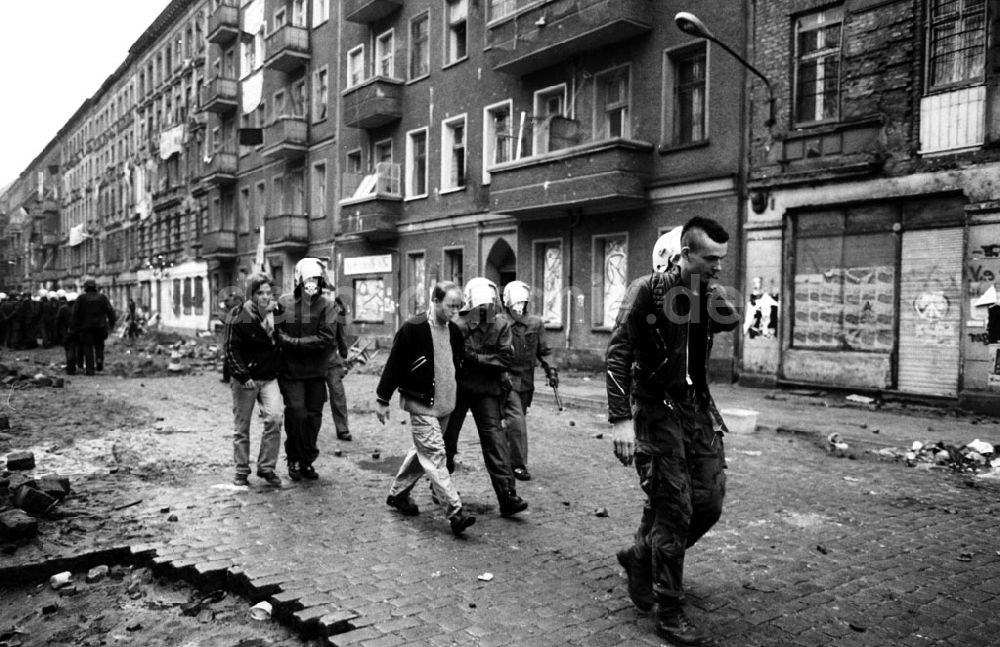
x=690 y=24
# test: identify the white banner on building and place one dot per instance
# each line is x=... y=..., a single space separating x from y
x=381 y=264
x=251 y=90
x=77 y=234
x=171 y=141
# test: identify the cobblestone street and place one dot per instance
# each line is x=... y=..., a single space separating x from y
x=812 y=549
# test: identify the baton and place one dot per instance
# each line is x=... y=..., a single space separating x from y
x=559 y=404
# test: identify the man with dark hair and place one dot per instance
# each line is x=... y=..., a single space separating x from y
x=425 y=356
x=665 y=420
x=251 y=352
x=93 y=317
x=304 y=321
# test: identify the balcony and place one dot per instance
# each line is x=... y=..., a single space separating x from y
x=168 y=197
x=224 y=23
x=368 y=11
x=286 y=48
x=287 y=232
x=50 y=205
x=51 y=240
x=599 y=177
x=287 y=137
x=550 y=32
x=376 y=102
x=375 y=204
x=220 y=170
x=219 y=244
x=221 y=95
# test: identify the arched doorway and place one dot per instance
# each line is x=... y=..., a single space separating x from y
x=501 y=263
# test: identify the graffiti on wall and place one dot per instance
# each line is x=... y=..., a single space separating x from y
x=369 y=300
x=762 y=311
x=846 y=308
x=933 y=324
x=983 y=275
x=552 y=309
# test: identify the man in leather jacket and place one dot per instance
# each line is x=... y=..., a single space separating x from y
x=665 y=421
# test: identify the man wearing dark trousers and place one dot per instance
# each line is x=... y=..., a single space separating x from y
x=336 y=372
x=304 y=323
x=93 y=317
x=665 y=421
x=482 y=386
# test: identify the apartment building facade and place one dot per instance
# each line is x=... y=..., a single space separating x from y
x=548 y=142
x=544 y=141
x=873 y=222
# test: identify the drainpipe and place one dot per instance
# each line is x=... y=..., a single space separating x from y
x=574 y=220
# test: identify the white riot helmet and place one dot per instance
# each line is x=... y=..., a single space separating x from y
x=60 y=293
x=310 y=268
x=51 y=295
x=667 y=249
x=3 y=295
x=71 y=296
x=516 y=295
x=480 y=291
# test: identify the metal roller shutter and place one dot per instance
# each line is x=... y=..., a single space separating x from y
x=930 y=311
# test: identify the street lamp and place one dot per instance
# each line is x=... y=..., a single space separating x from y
x=690 y=24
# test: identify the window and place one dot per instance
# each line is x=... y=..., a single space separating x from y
x=279 y=19
x=318 y=208
x=956 y=42
x=277 y=196
x=498 y=136
x=382 y=151
x=246 y=208
x=176 y=296
x=199 y=295
x=298 y=95
x=548 y=265
x=299 y=13
x=456 y=15
x=419 y=46
x=612 y=103
x=278 y=105
x=817 y=66
x=453 y=154
x=611 y=270
x=321 y=12
x=416 y=163
x=501 y=8
x=297 y=189
x=321 y=94
x=261 y=204
x=549 y=102
x=187 y=295
x=354 y=162
x=418 y=283
x=384 y=55
x=453 y=266
x=686 y=118
x=356 y=66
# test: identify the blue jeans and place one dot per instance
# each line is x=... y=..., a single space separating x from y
x=427 y=457
x=268 y=396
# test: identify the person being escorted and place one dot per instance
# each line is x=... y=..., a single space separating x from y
x=252 y=354
x=482 y=387
x=426 y=355
x=304 y=320
x=93 y=317
x=528 y=335
x=336 y=372
x=664 y=418
x=64 y=328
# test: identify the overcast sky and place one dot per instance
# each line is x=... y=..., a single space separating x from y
x=53 y=56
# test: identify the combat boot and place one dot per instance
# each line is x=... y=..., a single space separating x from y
x=674 y=626
x=640 y=579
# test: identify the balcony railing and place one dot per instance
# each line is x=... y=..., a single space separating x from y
x=287 y=48
x=374 y=103
x=953 y=121
x=224 y=23
x=221 y=95
x=596 y=177
x=384 y=182
x=287 y=136
x=287 y=232
x=219 y=244
x=368 y=11
x=546 y=33
x=374 y=202
x=220 y=170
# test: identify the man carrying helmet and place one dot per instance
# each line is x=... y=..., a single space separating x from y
x=482 y=386
x=663 y=416
x=528 y=334
x=304 y=323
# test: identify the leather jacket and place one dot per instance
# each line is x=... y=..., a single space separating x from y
x=646 y=356
x=488 y=353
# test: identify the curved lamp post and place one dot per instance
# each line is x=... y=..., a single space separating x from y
x=690 y=24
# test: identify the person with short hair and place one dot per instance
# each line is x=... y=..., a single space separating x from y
x=426 y=354
x=93 y=318
x=665 y=421
x=251 y=352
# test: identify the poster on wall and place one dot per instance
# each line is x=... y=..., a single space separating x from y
x=369 y=300
x=849 y=308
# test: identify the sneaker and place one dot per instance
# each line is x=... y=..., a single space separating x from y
x=640 y=580
x=241 y=480
x=271 y=478
x=460 y=521
x=512 y=504
x=521 y=474
x=674 y=626
x=294 y=472
x=404 y=504
x=308 y=471
x=345 y=436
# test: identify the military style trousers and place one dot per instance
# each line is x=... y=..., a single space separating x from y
x=680 y=460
